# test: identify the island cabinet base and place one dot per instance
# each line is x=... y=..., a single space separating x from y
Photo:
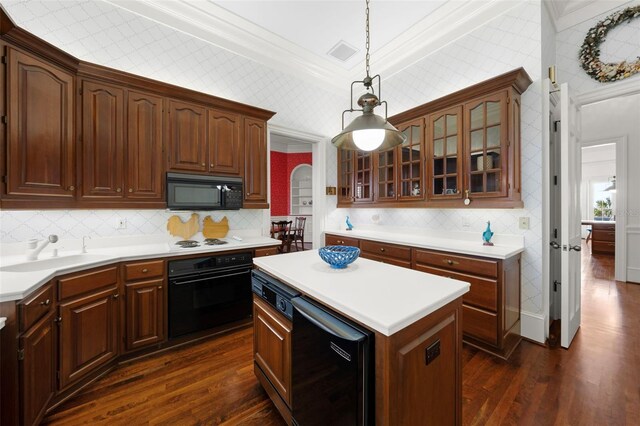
x=419 y=371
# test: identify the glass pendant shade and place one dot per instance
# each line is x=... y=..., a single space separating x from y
x=368 y=132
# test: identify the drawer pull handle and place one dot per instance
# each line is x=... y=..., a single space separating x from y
x=45 y=303
x=72 y=188
x=450 y=262
x=202 y=164
x=159 y=287
x=130 y=189
x=211 y=165
x=58 y=320
x=118 y=190
x=382 y=249
x=145 y=270
x=115 y=296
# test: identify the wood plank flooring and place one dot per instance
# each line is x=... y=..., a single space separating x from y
x=596 y=382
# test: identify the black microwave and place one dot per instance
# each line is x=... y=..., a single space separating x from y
x=201 y=192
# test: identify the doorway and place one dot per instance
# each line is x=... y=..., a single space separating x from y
x=296 y=176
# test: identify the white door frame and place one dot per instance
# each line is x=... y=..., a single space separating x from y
x=319 y=167
x=621 y=200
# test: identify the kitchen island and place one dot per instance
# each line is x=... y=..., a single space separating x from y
x=408 y=312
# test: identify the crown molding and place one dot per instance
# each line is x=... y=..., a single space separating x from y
x=214 y=24
x=575 y=12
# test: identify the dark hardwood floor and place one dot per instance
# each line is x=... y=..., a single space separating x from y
x=595 y=382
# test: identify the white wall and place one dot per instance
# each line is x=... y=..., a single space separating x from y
x=613 y=118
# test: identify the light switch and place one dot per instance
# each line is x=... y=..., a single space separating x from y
x=524 y=222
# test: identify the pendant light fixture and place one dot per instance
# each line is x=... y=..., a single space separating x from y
x=369 y=131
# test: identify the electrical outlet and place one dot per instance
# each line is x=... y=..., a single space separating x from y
x=432 y=352
x=121 y=223
x=523 y=222
x=465 y=221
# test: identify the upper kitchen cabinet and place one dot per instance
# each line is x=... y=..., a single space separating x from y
x=385 y=170
x=80 y=135
x=40 y=154
x=255 y=164
x=345 y=176
x=225 y=145
x=145 y=173
x=186 y=136
x=411 y=161
x=355 y=177
x=444 y=154
x=102 y=140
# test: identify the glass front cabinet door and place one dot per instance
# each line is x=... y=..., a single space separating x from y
x=411 y=161
x=444 y=154
x=345 y=176
x=362 y=190
x=385 y=166
x=486 y=146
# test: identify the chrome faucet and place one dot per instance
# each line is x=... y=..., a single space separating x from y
x=84 y=243
x=33 y=250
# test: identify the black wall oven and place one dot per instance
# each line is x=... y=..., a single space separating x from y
x=208 y=291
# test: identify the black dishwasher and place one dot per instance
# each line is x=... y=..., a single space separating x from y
x=332 y=368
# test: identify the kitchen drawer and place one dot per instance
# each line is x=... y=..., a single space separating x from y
x=476 y=266
x=143 y=270
x=480 y=324
x=35 y=306
x=386 y=259
x=267 y=251
x=337 y=240
x=87 y=282
x=598 y=235
x=483 y=292
x=385 y=250
x=603 y=247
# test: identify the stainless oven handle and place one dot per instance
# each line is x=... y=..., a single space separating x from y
x=212 y=277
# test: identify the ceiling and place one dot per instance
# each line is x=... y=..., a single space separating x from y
x=297 y=35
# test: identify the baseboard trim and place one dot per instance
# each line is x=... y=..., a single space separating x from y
x=633 y=274
x=532 y=327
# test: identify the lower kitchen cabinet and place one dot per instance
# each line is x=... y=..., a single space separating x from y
x=88 y=323
x=37 y=355
x=144 y=318
x=338 y=240
x=386 y=253
x=272 y=347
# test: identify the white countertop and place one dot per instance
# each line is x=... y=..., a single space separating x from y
x=504 y=246
x=17 y=285
x=2 y=321
x=382 y=297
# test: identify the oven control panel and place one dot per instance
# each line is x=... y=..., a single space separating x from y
x=273 y=292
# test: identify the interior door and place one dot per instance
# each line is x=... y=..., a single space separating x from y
x=570 y=176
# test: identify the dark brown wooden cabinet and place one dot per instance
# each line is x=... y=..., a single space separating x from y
x=255 y=164
x=603 y=238
x=226 y=148
x=338 y=240
x=40 y=132
x=272 y=347
x=463 y=145
x=38 y=368
x=186 y=136
x=145 y=171
x=145 y=303
x=88 y=315
x=102 y=140
x=444 y=154
x=392 y=254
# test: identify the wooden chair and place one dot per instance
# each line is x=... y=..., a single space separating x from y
x=281 y=230
x=297 y=234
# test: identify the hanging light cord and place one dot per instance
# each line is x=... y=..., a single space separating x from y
x=367 y=40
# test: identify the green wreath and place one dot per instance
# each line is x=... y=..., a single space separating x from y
x=590 y=50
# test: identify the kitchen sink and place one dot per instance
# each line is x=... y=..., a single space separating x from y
x=54 y=262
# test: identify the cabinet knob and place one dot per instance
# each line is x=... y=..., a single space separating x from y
x=202 y=164
x=118 y=189
x=450 y=262
x=45 y=303
x=382 y=249
x=71 y=188
x=58 y=320
x=115 y=296
x=211 y=165
x=145 y=270
x=248 y=193
x=159 y=287
x=130 y=189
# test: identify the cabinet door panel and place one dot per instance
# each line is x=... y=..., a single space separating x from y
x=255 y=164
x=145 y=178
x=411 y=161
x=145 y=313
x=346 y=165
x=102 y=140
x=40 y=141
x=88 y=334
x=38 y=369
x=444 y=154
x=187 y=137
x=225 y=147
x=272 y=347
x=363 y=177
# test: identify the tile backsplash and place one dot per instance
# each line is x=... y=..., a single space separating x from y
x=21 y=225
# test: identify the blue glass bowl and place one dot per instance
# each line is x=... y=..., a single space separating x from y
x=338 y=257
